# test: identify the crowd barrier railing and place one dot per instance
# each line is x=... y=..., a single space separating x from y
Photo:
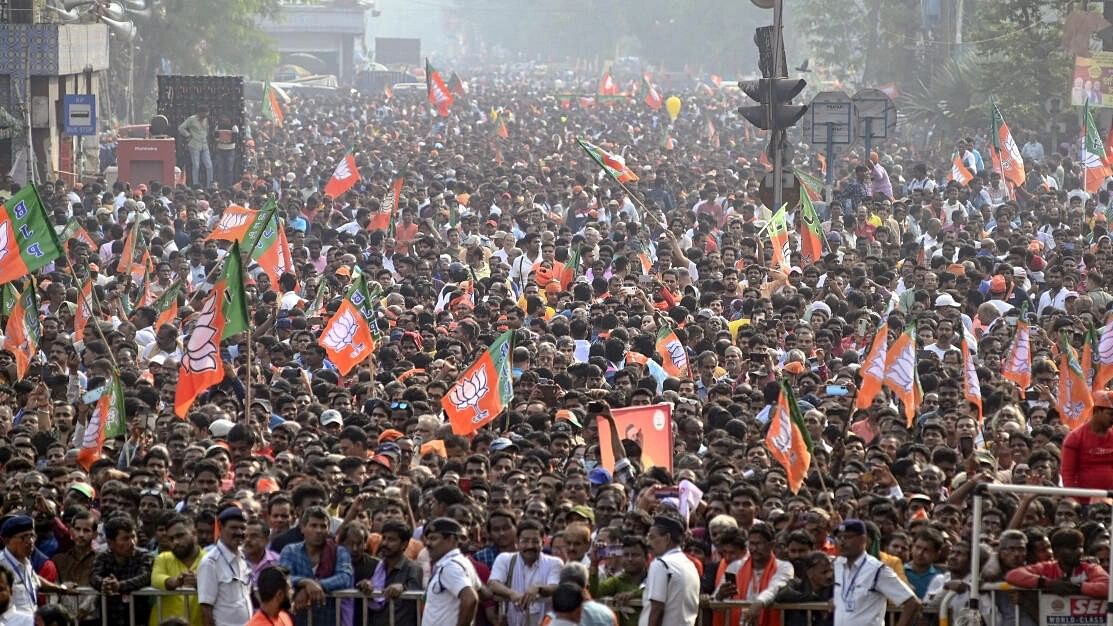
x=811 y=609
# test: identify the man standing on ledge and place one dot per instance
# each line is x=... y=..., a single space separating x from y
x=195 y=129
x=671 y=593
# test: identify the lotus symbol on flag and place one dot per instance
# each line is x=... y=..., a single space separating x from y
x=677 y=354
x=201 y=351
x=230 y=221
x=341 y=333
x=1090 y=160
x=342 y=172
x=5 y=235
x=1105 y=346
x=89 y=439
x=470 y=391
x=783 y=439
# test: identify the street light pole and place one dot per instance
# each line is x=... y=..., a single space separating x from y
x=777 y=135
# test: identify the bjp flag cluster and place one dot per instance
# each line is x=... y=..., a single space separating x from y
x=1018 y=365
x=900 y=373
x=873 y=369
x=382 y=219
x=483 y=391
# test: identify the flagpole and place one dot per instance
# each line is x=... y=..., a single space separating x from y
x=250 y=376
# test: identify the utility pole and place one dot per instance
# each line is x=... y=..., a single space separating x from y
x=773 y=93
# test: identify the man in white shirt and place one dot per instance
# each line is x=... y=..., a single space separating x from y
x=671 y=593
x=1056 y=294
x=524 y=578
x=451 y=596
x=224 y=577
x=522 y=266
x=864 y=585
x=9 y=616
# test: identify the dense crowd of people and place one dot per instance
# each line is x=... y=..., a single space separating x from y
x=329 y=482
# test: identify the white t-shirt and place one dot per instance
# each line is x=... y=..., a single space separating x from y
x=12 y=617
x=451 y=575
x=546 y=571
x=861 y=591
x=673 y=580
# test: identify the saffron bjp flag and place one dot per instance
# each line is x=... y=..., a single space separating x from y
x=84 y=311
x=27 y=238
x=1018 y=364
x=812 y=240
x=24 y=329
x=272 y=108
x=167 y=305
x=1075 y=400
x=782 y=245
x=223 y=314
x=436 y=91
x=482 y=391
x=787 y=439
x=233 y=224
x=900 y=373
x=1006 y=154
x=347 y=338
x=674 y=356
x=873 y=368
x=1094 y=169
x=653 y=98
x=569 y=270
x=266 y=244
x=971 y=386
x=649 y=426
x=1105 y=357
x=607 y=86
x=107 y=421
x=75 y=231
x=344 y=177
x=959 y=172
x=613 y=164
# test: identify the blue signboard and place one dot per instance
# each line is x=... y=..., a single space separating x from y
x=79 y=114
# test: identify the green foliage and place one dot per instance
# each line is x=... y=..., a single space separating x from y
x=197 y=37
x=948 y=100
x=1021 y=60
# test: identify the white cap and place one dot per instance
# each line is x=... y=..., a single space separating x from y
x=945 y=300
x=220 y=428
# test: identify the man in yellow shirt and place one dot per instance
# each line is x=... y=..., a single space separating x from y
x=175 y=569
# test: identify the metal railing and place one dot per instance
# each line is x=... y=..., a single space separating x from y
x=337 y=597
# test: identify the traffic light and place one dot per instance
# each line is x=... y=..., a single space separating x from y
x=774 y=110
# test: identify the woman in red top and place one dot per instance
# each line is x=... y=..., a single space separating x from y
x=1088 y=449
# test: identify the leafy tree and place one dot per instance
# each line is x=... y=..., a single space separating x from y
x=1021 y=61
x=195 y=37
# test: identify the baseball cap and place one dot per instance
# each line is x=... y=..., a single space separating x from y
x=331 y=416
x=84 y=489
x=502 y=443
x=945 y=299
x=383 y=460
x=599 y=476
x=583 y=511
x=852 y=525
x=220 y=428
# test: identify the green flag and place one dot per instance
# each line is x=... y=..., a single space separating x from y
x=235 y=298
x=27 y=238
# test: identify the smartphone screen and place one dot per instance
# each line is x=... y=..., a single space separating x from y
x=837 y=390
x=966 y=446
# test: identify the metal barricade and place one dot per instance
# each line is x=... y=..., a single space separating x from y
x=337 y=597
